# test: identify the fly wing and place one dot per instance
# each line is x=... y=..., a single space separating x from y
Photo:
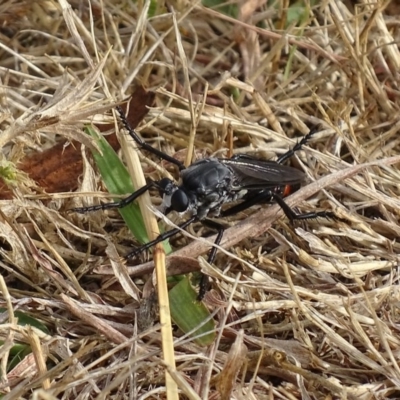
x=256 y=174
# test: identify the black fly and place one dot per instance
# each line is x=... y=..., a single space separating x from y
x=208 y=184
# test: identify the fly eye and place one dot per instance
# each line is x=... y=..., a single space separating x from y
x=179 y=201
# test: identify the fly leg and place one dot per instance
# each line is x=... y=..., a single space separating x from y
x=161 y=238
x=261 y=197
x=160 y=185
x=292 y=215
x=204 y=281
x=124 y=202
x=270 y=196
x=144 y=145
x=117 y=204
x=297 y=146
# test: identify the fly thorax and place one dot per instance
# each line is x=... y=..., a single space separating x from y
x=209 y=204
x=208 y=184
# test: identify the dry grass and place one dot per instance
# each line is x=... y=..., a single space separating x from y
x=306 y=311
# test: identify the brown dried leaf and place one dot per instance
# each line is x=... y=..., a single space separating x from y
x=57 y=169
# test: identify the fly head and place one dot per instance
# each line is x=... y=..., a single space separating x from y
x=174 y=198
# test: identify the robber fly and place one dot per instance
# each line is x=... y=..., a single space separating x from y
x=208 y=184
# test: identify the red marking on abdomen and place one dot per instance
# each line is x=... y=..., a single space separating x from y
x=288 y=189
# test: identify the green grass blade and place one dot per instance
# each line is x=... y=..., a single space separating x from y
x=25 y=319
x=222 y=6
x=188 y=313
x=117 y=180
x=19 y=351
